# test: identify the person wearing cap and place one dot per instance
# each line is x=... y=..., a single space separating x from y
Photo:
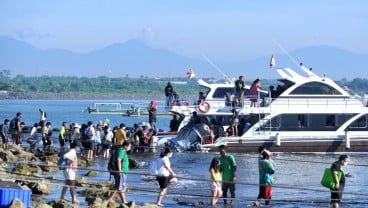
x=120 y=134
x=228 y=169
x=266 y=170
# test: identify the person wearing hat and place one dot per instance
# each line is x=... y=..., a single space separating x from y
x=120 y=134
x=266 y=170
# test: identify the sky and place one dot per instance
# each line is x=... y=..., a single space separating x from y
x=234 y=30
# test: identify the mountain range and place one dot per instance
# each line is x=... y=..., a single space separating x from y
x=135 y=59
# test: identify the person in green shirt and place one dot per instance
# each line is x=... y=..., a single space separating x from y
x=266 y=169
x=228 y=169
x=123 y=169
x=62 y=134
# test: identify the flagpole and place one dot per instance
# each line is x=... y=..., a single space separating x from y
x=218 y=69
x=290 y=57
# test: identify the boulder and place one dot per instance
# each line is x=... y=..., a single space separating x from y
x=49 y=167
x=81 y=182
x=51 y=158
x=16 y=203
x=94 y=193
x=91 y=173
x=40 y=187
x=43 y=206
x=133 y=163
x=61 y=204
x=6 y=155
x=26 y=169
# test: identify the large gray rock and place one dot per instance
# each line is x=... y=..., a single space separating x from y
x=61 y=204
x=40 y=187
x=16 y=203
x=26 y=169
x=43 y=206
x=6 y=156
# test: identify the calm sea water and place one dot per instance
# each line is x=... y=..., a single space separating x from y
x=296 y=181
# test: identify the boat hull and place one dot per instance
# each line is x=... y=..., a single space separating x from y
x=324 y=146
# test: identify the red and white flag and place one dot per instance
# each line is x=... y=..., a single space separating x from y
x=272 y=62
x=190 y=74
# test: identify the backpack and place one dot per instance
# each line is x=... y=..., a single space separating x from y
x=153 y=105
x=62 y=162
x=112 y=166
x=13 y=124
x=153 y=168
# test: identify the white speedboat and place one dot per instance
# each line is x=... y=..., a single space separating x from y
x=308 y=113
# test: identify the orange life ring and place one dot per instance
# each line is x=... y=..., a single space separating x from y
x=204 y=107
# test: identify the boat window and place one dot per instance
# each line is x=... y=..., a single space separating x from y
x=222 y=91
x=315 y=88
x=359 y=124
x=306 y=122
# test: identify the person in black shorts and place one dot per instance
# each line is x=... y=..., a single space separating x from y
x=4 y=131
x=166 y=175
x=336 y=194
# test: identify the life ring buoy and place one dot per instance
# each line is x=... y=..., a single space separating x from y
x=204 y=107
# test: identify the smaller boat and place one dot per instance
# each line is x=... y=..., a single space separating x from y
x=125 y=109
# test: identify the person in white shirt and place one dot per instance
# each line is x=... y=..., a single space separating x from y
x=166 y=175
x=70 y=172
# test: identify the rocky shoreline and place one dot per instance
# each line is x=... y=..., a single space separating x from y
x=27 y=174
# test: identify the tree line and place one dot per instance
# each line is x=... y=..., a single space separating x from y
x=126 y=85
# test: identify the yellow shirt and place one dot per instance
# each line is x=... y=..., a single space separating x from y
x=215 y=176
x=120 y=136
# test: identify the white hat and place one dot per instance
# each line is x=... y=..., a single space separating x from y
x=77 y=126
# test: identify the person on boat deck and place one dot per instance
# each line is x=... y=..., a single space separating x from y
x=234 y=123
x=272 y=92
x=169 y=90
x=253 y=92
x=174 y=123
x=201 y=98
x=152 y=114
x=239 y=90
x=195 y=119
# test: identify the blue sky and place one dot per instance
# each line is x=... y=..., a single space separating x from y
x=222 y=30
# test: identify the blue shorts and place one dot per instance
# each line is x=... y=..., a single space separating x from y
x=120 y=182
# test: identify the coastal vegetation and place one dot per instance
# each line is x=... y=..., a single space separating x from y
x=123 y=87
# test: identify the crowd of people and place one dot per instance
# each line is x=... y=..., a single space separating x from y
x=98 y=140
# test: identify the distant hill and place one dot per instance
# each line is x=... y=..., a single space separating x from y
x=135 y=59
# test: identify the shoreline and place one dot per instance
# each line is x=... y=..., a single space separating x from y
x=84 y=96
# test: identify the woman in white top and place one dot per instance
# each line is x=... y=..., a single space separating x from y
x=70 y=172
x=166 y=176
